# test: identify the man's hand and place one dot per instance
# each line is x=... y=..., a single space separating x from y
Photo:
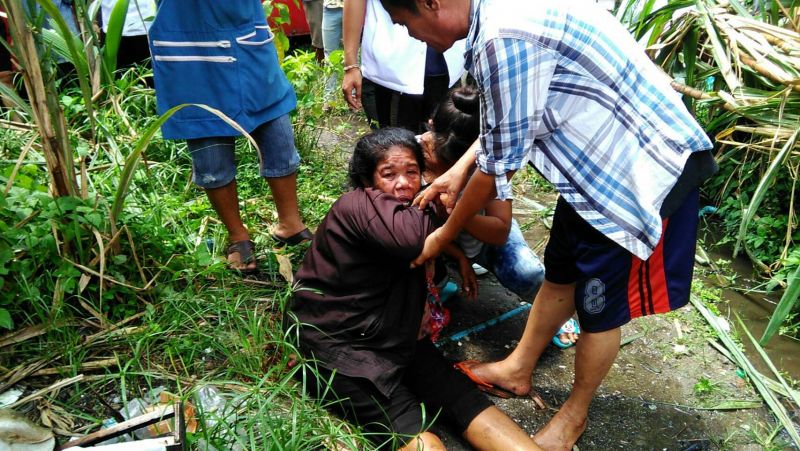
x=434 y=245
x=446 y=188
x=351 y=88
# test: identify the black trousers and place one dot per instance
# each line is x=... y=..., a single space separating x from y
x=431 y=390
x=388 y=108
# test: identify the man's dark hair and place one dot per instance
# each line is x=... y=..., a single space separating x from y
x=372 y=148
x=456 y=123
x=408 y=5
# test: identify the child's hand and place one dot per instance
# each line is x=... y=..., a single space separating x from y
x=469 y=280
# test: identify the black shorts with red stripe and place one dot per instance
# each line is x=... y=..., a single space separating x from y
x=614 y=286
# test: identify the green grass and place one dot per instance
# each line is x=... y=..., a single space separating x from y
x=196 y=323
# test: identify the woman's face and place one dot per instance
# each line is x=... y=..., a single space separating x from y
x=398 y=174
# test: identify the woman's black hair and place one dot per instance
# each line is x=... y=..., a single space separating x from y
x=456 y=123
x=371 y=149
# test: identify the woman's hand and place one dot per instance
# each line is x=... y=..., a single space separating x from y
x=469 y=280
x=351 y=88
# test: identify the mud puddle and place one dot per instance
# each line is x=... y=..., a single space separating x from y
x=755 y=309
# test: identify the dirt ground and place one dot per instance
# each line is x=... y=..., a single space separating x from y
x=654 y=397
x=660 y=392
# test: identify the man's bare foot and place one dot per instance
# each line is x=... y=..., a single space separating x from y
x=563 y=430
x=241 y=256
x=503 y=375
x=287 y=230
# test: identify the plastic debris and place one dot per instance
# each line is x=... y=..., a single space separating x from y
x=17 y=433
x=10 y=397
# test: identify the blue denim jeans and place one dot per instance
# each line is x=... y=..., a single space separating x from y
x=331 y=41
x=331 y=30
x=214 y=162
x=514 y=264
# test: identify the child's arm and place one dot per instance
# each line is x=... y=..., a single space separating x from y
x=493 y=226
x=480 y=190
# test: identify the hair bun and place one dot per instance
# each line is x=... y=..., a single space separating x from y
x=465 y=99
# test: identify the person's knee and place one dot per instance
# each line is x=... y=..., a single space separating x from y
x=524 y=276
x=213 y=163
x=278 y=155
x=426 y=440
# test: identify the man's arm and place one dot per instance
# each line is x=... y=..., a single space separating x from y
x=352 y=24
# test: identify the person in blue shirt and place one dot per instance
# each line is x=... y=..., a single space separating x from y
x=221 y=54
x=564 y=87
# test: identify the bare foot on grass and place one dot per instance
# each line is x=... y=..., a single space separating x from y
x=563 y=430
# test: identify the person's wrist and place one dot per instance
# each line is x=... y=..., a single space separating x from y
x=446 y=234
x=350 y=67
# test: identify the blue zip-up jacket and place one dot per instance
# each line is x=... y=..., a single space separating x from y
x=221 y=54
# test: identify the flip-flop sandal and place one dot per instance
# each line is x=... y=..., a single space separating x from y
x=299 y=237
x=246 y=250
x=571 y=326
x=486 y=387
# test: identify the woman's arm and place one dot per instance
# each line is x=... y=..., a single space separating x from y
x=352 y=24
x=393 y=228
x=492 y=227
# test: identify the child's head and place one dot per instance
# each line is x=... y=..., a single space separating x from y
x=388 y=159
x=455 y=125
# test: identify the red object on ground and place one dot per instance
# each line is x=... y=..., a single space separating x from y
x=297 y=25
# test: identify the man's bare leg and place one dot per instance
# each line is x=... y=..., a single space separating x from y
x=225 y=201
x=494 y=430
x=595 y=355
x=284 y=193
x=553 y=305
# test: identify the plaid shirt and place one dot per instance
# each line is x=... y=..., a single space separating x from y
x=564 y=86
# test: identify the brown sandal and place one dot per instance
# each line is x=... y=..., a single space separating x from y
x=246 y=250
x=298 y=238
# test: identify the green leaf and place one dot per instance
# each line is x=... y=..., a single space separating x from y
x=116 y=23
x=784 y=308
x=132 y=160
x=5 y=319
x=76 y=51
x=761 y=190
x=9 y=93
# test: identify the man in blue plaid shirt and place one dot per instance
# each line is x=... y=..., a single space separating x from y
x=565 y=88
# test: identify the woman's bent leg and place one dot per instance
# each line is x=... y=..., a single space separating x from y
x=392 y=422
x=514 y=264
